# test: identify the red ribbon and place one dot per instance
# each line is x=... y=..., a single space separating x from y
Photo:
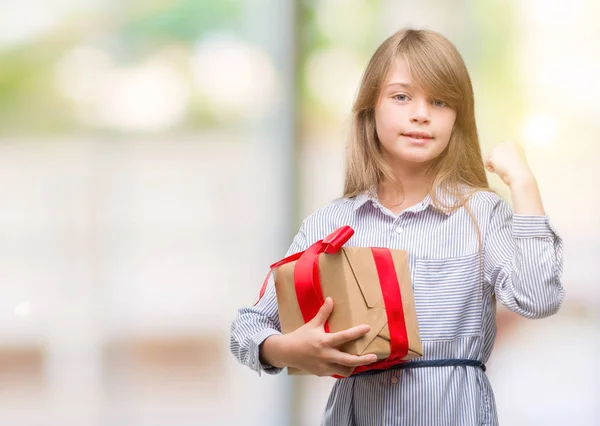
x=392 y=299
x=310 y=295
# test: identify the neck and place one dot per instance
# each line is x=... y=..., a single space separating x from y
x=413 y=186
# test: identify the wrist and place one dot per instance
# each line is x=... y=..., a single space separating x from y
x=522 y=180
x=272 y=351
x=526 y=196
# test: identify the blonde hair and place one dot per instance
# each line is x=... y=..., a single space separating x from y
x=437 y=68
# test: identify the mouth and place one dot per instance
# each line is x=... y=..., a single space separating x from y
x=418 y=137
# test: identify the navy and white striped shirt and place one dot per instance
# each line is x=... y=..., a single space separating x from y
x=455 y=302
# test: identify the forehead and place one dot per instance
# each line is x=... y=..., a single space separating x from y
x=399 y=76
x=399 y=72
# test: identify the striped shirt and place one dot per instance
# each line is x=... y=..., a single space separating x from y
x=456 y=279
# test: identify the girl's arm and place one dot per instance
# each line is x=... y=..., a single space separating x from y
x=508 y=161
x=522 y=251
x=257 y=342
x=253 y=325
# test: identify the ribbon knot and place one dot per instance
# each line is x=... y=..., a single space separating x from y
x=334 y=241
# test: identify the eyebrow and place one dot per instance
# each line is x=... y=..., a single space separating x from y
x=400 y=83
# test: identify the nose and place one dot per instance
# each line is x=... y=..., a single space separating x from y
x=420 y=112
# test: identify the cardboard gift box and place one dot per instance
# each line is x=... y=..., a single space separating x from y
x=367 y=286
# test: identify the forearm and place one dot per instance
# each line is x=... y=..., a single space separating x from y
x=526 y=196
x=272 y=353
x=249 y=330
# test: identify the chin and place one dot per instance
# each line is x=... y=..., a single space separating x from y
x=408 y=155
x=417 y=158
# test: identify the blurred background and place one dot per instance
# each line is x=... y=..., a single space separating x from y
x=157 y=156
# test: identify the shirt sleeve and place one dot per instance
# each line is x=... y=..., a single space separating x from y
x=523 y=261
x=254 y=324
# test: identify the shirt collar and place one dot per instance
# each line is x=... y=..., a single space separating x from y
x=370 y=195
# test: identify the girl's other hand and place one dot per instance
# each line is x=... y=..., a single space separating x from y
x=508 y=161
x=311 y=349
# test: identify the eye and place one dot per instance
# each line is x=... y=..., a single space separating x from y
x=401 y=97
x=439 y=103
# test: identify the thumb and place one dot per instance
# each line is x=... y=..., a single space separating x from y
x=324 y=312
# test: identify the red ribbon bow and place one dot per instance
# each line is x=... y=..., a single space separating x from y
x=310 y=295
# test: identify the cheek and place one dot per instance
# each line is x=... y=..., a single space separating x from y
x=448 y=126
x=385 y=125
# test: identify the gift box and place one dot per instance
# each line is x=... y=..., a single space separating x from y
x=368 y=285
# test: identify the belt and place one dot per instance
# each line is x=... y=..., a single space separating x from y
x=429 y=363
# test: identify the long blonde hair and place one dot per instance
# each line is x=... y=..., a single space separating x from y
x=438 y=68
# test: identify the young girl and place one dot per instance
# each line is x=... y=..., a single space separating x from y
x=415 y=180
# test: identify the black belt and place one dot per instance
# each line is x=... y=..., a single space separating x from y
x=428 y=363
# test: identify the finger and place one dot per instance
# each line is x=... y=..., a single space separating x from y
x=324 y=312
x=341 y=337
x=348 y=360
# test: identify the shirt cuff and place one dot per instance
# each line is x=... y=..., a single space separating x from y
x=254 y=349
x=533 y=226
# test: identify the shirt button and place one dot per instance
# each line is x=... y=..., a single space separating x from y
x=394 y=379
x=399 y=230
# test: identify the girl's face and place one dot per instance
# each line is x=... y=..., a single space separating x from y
x=412 y=128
